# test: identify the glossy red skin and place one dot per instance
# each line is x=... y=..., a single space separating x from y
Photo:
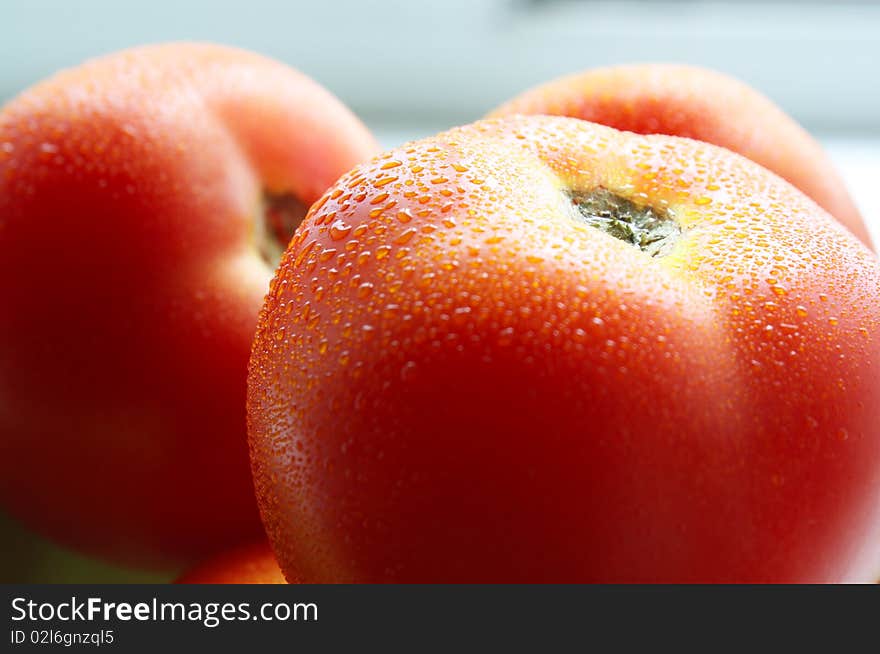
x=457 y=381
x=130 y=284
x=250 y=564
x=700 y=104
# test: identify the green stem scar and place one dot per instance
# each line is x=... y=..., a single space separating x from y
x=651 y=229
x=280 y=214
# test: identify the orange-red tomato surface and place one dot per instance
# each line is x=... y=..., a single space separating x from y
x=455 y=378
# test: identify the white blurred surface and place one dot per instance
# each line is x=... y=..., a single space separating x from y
x=858 y=160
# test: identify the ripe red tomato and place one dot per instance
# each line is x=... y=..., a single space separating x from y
x=538 y=349
x=143 y=198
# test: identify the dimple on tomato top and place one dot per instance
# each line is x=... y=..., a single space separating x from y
x=679 y=100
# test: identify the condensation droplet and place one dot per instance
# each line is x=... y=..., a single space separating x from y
x=383 y=251
x=405 y=237
x=408 y=371
x=339 y=230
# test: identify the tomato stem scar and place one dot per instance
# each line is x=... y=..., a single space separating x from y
x=279 y=216
x=651 y=229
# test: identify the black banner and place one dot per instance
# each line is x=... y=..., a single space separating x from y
x=151 y=618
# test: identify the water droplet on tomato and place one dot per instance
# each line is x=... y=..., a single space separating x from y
x=339 y=230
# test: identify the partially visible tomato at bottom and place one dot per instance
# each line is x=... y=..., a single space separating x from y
x=250 y=564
